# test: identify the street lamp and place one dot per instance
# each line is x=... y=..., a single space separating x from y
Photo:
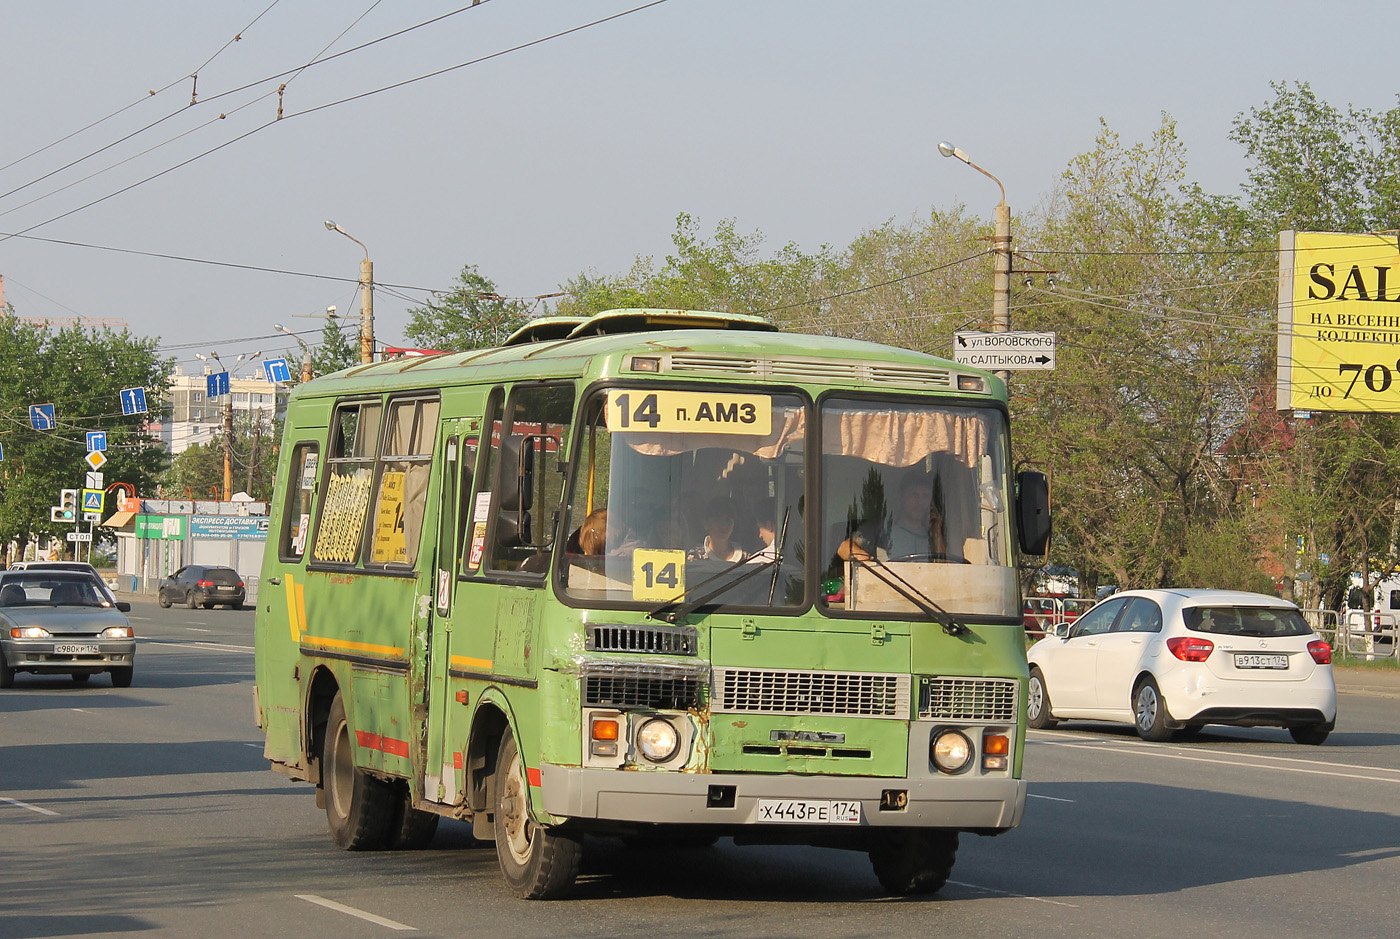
x=1001 y=245
x=366 y=296
x=305 y=350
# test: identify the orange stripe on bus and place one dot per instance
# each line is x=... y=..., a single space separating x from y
x=353 y=646
x=469 y=662
x=532 y=776
x=457 y=759
x=383 y=744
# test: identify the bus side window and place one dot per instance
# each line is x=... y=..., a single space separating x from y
x=345 y=503
x=476 y=507
x=296 y=514
x=402 y=482
x=540 y=418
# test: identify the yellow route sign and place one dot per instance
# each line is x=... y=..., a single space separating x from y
x=638 y=410
x=1339 y=322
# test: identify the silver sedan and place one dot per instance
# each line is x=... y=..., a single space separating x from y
x=63 y=623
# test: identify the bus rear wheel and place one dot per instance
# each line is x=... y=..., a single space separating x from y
x=538 y=863
x=914 y=860
x=360 y=809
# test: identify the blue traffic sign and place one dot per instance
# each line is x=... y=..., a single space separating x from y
x=133 y=400
x=42 y=417
x=216 y=384
x=97 y=439
x=277 y=370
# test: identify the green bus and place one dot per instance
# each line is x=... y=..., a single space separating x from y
x=664 y=576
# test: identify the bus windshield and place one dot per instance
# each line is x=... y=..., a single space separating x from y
x=914 y=503
x=678 y=494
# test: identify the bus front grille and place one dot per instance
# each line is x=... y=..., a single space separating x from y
x=968 y=699
x=651 y=640
x=628 y=685
x=772 y=691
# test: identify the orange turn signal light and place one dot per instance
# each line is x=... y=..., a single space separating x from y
x=605 y=730
x=996 y=745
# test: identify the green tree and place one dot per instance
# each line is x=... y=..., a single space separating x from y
x=470 y=316
x=335 y=351
x=198 y=471
x=81 y=373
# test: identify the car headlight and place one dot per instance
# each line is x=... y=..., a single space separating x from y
x=950 y=751
x=29 y=632
x=658 y=740
x=117 y=632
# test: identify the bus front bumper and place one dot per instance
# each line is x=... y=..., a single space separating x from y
x=734 y=799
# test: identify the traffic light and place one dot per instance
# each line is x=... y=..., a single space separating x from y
x=67 y=508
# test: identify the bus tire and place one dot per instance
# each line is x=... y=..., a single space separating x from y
x=413 y=829
x=359 y=807
x=538 y=863
x=909 y=861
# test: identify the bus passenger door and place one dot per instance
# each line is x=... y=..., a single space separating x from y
x=456 y=458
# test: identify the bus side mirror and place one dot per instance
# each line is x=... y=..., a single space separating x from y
x=1033 y=511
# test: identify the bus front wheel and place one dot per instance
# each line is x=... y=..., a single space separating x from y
x=538 y=863
x=914 y=860
x=359 y=808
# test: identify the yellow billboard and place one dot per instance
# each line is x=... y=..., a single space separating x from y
x=1338 y=322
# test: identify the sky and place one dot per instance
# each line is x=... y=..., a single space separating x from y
x=539 y=159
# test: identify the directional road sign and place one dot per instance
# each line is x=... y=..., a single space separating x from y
x=42 y=417
x=216 y=385
x=93 y=481
x=133 y=400
x=277 y=370
x=995 y=351
x=97 y=439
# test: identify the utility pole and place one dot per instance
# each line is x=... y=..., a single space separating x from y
x=1001 y=248
x=366 y=296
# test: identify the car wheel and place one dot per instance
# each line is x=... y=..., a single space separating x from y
x=162 y=599
x=7 y=674
x=1150 y=712
x=81 y=677
x=237 y=606
x=191 y=600
x=538 y=863
x=910 y=861
x=359 y=808
x=1038 y=702
x=121 y=676
x=1311 y=734
x=207 y=604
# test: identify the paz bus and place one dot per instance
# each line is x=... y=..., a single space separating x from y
x=650 y=575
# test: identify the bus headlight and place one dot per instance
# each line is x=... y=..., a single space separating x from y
x=658 y=740
x=950 y=751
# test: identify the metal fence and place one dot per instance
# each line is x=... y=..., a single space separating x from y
x=1370 y=635
x=1052 y=616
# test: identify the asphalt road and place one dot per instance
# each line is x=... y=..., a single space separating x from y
x=149 y=810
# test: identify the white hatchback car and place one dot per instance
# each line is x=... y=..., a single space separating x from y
x=1176 y=660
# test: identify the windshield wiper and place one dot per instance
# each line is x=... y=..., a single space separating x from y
x=908 y=591
x=673 y=610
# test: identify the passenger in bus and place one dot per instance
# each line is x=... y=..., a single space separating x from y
x=718 y=521
x=767 y=538
x=916 y=531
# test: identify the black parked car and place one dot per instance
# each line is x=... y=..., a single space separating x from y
x=198 y=585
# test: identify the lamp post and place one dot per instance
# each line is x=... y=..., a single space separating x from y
x=305 y=350
x=1001 y=246
x=366 y=296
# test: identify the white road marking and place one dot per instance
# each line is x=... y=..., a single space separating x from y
x=1164 y=754
x=1055 y=740
x=258 y=745
x=351 y=911
x=198 y=645
x=1008 y=893
x=198 y=629
x=1032 y=795
x=26 y=805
